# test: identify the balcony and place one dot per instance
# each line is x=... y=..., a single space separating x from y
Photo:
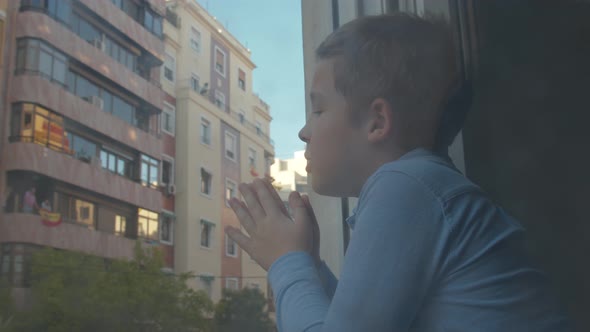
x=90 y=176
x=36 y=89
x=132 y=28
x=38 y=25
x=27 y=228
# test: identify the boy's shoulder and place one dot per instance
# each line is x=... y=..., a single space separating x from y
x=435 y=172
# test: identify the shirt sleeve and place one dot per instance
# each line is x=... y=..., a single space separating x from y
x=328 y=279
x=389 y=266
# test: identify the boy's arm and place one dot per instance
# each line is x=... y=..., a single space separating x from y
x=328 y=279
x=387 y=270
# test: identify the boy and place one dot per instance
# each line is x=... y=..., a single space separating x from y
x=430 y=252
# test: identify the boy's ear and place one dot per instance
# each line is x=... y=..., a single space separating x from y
x=380 y=121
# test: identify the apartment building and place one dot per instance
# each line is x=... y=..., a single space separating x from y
x=222 y=139
x=80 y=130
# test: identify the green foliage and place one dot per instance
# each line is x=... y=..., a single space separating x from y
x=7 y=309
x=242 y=311
x=77 y=292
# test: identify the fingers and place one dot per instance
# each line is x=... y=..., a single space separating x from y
x=240 y=238
x=241 y=211
x=266 y=198
x=252 y=201
x=276 y=197
x=300 y=211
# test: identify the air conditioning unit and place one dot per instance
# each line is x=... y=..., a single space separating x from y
x=171 y=189
x=97 y=101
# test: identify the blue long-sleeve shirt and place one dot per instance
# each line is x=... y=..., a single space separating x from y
x=429 y=252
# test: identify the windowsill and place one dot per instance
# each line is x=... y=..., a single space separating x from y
x=220 y=73
x=206 y=248
x=168 y=132
x=231 y=159
x=170 y=243
x=206 y=196
x=208 y=145
x=232 y=256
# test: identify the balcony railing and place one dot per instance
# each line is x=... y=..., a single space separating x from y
x=224 y=107
x=83 y=157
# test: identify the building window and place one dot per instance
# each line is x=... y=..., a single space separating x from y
x=207 y=283
x=258 y=128
x=79 y=147
x=219 y=61
x=195 y=39
x=115 y=163
x=230 y=146
x=167 y=228
x=231 y=248
x=149 y=171
x=205 y=131
x=220 y=99
x=232 y=283
x=32 y=123
x=230 y=190
x=107 y=101
x=120 y=225
x=167 y=170
x=242 y=117
x=151 y=21
x=15 y=263
x=147 y=224
x=76 y=210
x=168 y=119
x=252 y=157
x=206 y=233
x=169 y=67
x=241 y=79
x=38 y=57
x=195 y=82
x=206 y=182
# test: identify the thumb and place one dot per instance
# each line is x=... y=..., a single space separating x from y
x=311 y=213
x=301 y=214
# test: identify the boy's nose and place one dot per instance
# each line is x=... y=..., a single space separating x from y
x=304 y=134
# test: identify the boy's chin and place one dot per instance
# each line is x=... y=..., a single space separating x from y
x=326 y=188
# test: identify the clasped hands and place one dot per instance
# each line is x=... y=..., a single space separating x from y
x=271 y=232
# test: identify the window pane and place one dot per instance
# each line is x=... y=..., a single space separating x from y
x=32 y=54
x=154 y=175
x=144 y=173
x=142 y=226
x=45 y=65
x=107 y=99
x=104 y=159
x=122 y=109
x=153 y=229
x=59 y=70
x=120 y=166
x=112 y=160
x=157 y=26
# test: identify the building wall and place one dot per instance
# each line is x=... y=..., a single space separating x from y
x=192 y=154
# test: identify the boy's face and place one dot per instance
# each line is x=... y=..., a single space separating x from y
x=333 y=141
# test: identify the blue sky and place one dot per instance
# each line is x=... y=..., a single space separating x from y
x=271 y=29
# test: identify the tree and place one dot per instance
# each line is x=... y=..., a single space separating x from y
x=7 y=309
x=77 y=292
x=242 y=311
